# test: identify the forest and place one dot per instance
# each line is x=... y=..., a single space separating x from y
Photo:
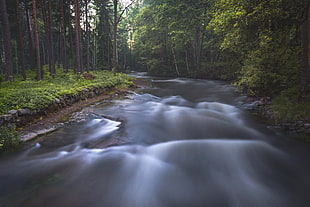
x=155 y=103
x=262 y=46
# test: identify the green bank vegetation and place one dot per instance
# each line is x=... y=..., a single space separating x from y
x=260 y=45
x=34 y=94
x=8 y=139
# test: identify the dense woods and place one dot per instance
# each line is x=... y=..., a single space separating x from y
x=258 y=43
x=73 y=34
x=212 y=123
x=263 y=46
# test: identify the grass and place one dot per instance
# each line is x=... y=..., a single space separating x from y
x=34 y=94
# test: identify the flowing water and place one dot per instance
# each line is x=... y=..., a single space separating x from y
x=180 y=143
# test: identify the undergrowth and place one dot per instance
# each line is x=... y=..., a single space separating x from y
x=287 y=106
x=8 y=138
x=34 y=94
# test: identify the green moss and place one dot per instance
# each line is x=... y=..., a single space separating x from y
x=40 y=94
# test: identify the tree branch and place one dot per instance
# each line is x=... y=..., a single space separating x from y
x=123 y=11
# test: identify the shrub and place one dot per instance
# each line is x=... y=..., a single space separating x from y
x=287 y=107
x=8 y=138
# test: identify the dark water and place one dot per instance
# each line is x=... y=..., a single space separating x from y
x=181 y=143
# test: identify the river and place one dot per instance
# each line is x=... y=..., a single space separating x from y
x=179 y=143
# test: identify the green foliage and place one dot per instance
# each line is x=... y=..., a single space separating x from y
x=117 y=69
x=271 y=68
x=100 y=39
x=166 y=26
x=265 y=38
x=8 y=139
x=287 y=107
x=38 y=95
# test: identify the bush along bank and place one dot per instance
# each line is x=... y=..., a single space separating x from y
x=280 y=112
x=8 y=139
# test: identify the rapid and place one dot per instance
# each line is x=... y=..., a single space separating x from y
x=179 y=143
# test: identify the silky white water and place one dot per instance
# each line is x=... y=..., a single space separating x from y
x=180 y=143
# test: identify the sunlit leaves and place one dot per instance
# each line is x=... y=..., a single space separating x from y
x=265 y=37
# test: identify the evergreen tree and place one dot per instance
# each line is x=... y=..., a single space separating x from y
x=7 y=41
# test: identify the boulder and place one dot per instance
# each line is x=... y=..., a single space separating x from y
x=307 y=125
x=7 y=117
x=57 y=100
x=23 y=112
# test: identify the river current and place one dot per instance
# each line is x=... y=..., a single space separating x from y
x=179 y=143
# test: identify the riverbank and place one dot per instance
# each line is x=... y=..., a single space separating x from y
x=59 y=97
x=55 y=116
x=52 y=121
x=264 y=108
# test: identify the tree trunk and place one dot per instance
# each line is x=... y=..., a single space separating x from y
x=78 y=37
x=63 y=37
x=198 y=45
x=115 y=14
x=47 y=18
x=186 y=60
x=37 y=44
x=31 y=39
x=72 y=48
x=87 y=37
x=305 y=73
x=44 y=56
x=7 y=41
x=20 y=41
x=47 y=41
x=51 y=39
x=175 y=61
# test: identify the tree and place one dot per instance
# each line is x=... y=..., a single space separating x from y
x=31 y=38
x=264 y=37
x=305 y=73
x=117 y=17
x=115 y=23
x=51 y=38
x=175 y=30
x=87 y=36
x=78 y=37
x=63 y=41
x=20 y=40
x=7 y=41
x=102 y=39
x=37 y=44
x=47 y=18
